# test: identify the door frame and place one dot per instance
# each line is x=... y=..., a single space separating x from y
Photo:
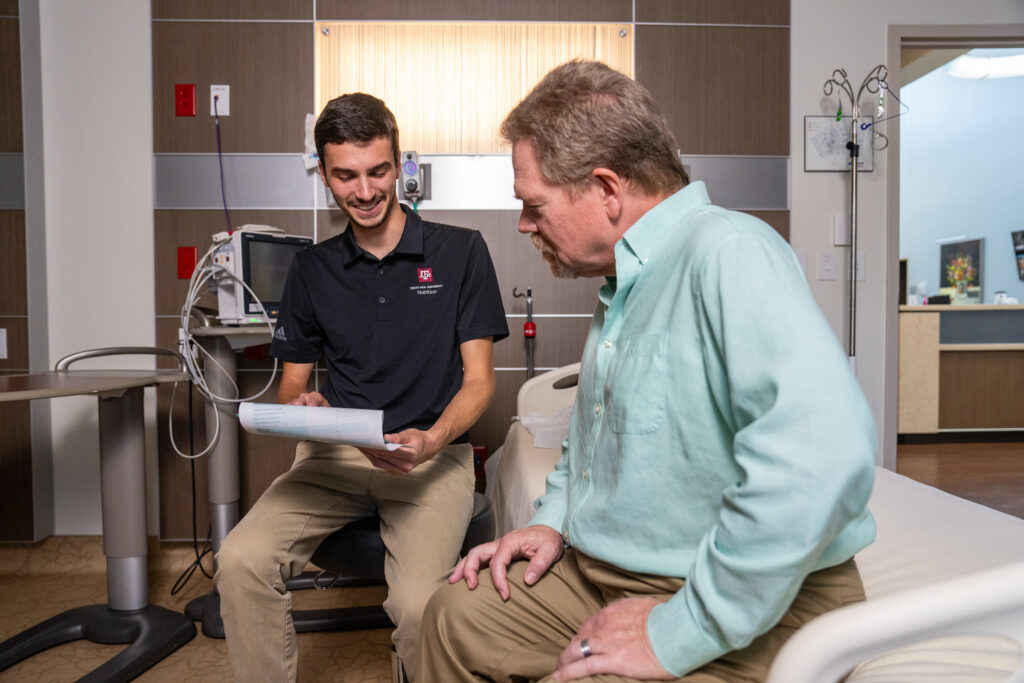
x=900 y=36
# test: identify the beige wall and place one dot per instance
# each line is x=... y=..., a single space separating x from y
x=829 y=34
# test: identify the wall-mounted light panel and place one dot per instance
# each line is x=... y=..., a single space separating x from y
x=477 y=72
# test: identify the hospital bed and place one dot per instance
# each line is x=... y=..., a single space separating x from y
x=944 y=578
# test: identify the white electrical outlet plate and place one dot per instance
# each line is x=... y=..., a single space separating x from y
x=826 y=266
x=223 y=95
x=3 y=343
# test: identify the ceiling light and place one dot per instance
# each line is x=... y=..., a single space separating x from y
x=972 y=66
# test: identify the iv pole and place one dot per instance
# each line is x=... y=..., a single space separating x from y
x=871 y=83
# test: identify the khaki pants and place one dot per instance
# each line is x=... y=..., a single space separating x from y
x=424 y=515
x=472 y=635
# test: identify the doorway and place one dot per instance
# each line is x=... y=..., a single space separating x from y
x=939 y=198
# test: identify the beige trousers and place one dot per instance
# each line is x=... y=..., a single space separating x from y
x=472 y=635
x=424 y=515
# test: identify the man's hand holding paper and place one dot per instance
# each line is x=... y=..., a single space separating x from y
x=413 y=447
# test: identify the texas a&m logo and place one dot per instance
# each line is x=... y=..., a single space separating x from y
x=425 y=274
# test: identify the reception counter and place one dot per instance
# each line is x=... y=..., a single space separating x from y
x=961 y=368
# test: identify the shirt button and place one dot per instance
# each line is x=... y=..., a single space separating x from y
x=597 y=409
x=645 y=259
x=381 y=299
x=586 y=474
x=607 y=343
x=380 y=271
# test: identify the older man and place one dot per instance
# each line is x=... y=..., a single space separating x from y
x=711 y=494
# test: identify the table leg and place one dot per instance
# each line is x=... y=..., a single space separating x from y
x=222 y=464
x=222 y=471
x=151 y=632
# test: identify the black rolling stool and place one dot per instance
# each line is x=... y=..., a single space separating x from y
x=351 y=556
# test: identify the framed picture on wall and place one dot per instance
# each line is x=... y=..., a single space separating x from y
x=1018 y=251
x=961 y=270
x=825 y=139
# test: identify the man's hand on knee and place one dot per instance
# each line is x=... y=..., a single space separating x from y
x=541 y=544
x=616 y=642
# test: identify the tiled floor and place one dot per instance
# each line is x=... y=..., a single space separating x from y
x=38 y=581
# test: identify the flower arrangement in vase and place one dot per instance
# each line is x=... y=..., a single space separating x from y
x=960 y=271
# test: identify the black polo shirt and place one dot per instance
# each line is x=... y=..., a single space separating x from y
x=389 y=329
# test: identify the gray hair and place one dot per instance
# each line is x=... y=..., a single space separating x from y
x=585 y=115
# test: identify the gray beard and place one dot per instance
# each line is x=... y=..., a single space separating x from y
x=558 y=269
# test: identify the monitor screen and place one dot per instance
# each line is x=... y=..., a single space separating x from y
x=265 y=268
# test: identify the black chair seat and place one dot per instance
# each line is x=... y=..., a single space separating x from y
x=354 y=555
x=357 y=550
x=351 y=556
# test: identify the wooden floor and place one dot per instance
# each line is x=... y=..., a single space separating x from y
x=988 y=473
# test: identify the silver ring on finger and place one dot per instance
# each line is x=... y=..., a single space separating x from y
x=585 y=648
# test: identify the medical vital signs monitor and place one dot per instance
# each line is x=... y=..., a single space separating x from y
x=261 y=260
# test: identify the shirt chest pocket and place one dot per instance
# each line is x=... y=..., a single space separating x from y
x=638 y=382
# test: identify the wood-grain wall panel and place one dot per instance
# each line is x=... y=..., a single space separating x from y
x=175 y=476
x=724 y=90
x=559 y=342
x=770 y=12
x=12 y=263
x=16 y=516
x=236 y=9
x=182 y=228
x=981 y=389
x=519 y=265
x=10 y=86
x=777 y=219
x=9 y=8
x=17 y=346
x=742 y=72
x=269 y=67
x=474 y=10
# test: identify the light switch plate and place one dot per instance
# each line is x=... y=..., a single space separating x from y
x=826 y=265
x=3 y=343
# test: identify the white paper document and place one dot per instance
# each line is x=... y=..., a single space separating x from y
x=330 y=425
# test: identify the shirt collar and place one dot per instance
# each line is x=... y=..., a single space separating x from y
x=645 y=238
x=410 y=243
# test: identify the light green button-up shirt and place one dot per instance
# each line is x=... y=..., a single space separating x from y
x=718 y=432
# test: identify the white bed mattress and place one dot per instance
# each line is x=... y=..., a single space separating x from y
x=924 y=536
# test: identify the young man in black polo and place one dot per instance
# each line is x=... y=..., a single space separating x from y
x=405 y=313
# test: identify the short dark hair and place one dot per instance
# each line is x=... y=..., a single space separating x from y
x=585 y=115
x=355 y=117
